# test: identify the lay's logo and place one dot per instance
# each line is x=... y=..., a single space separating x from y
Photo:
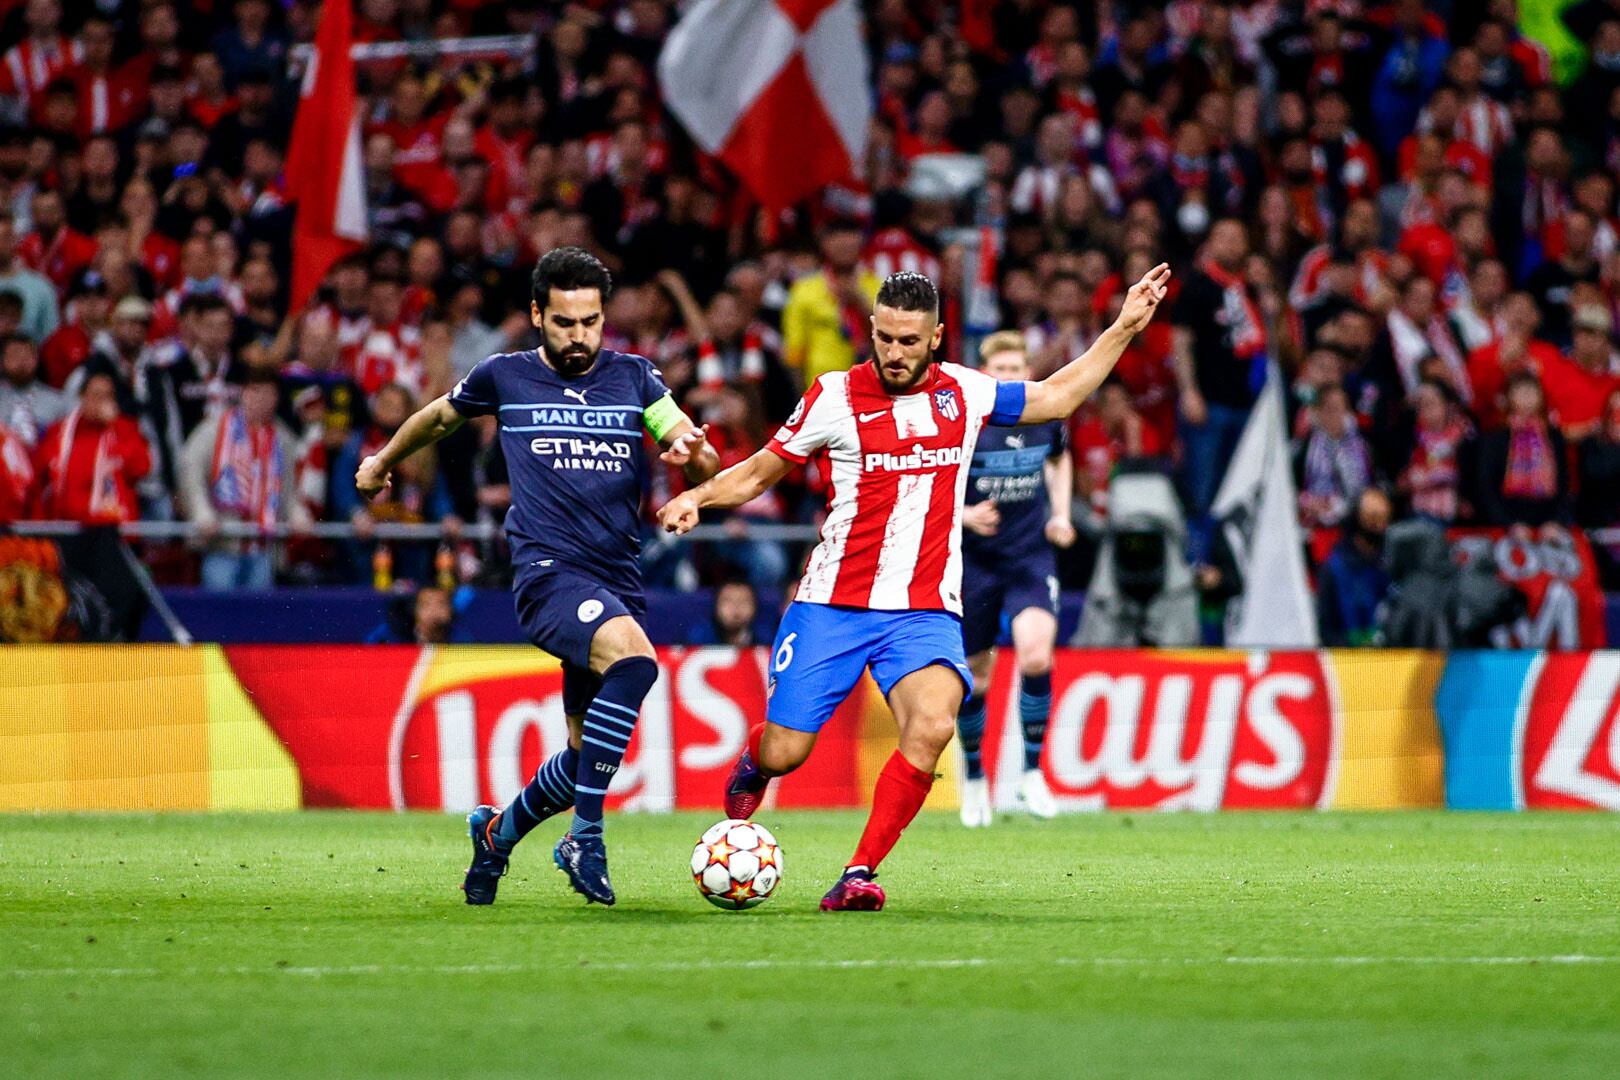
x=1568 y=732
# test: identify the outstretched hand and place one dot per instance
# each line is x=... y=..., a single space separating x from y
x=1143 y=299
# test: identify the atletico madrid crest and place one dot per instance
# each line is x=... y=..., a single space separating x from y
x=945 y=402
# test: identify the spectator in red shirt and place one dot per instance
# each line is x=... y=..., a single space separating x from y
x=54 y=248
x=88 y=313
x=16 y=476
x=88 y=463
x=110 y=99
x=1516 y=348
x=1579 y=384
x=1110 y=433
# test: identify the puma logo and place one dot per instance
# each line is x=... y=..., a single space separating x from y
x=868 y=417
x=575 y=394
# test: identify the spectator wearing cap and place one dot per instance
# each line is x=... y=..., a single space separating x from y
x=241 y=466
x=39 y=311
x=87 y=466
x=824 y=323
x=116 y=351
x=27 y=405
x=1578 y=384
x=89 y=312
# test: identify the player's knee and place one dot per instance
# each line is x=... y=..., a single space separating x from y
x=780 y=760
x=932 y=728
x=1037 y=662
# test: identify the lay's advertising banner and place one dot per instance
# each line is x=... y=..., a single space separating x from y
x=445 y=728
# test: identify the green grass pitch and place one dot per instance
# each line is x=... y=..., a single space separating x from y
x=1252 y=945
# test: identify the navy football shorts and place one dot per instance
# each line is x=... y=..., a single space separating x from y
x=561 y=610
x=990 y=592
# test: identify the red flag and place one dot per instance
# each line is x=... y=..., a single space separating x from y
x=778 y=91
x=323 y=160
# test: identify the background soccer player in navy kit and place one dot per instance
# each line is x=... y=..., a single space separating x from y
x=1018 y=504
x=571 y=421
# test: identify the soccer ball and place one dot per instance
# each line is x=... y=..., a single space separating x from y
x=737 y=864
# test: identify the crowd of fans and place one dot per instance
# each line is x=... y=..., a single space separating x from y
x=1396 y=202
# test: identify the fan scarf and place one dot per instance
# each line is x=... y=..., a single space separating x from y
x=248 y=466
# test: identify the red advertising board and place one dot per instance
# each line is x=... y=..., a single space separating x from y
x=1187 y=730
x=447 y=729
x=1569 y=732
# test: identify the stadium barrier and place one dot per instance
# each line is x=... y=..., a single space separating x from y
x=444 y=728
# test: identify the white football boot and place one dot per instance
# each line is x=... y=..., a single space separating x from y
x=976 y=803
x=1034 y=796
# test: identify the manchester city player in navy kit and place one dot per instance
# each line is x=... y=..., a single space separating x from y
x=571 y=420
x=1018 y=503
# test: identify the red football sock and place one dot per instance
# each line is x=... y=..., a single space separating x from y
x=755 y=733
x=901 y=789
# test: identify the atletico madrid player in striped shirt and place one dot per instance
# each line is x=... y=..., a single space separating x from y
x=883 y=588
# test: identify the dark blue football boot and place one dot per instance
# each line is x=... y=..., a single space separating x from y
x=489 y=860
x=584 y=860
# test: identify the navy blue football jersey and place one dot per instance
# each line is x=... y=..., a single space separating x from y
x=1008 y=466
x=575 y=456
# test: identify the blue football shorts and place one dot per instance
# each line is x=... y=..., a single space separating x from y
x=821 y=651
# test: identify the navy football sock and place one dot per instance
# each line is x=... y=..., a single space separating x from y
x=1034 y=706
x=608 y=724
x=550 y=792
x=970 y=730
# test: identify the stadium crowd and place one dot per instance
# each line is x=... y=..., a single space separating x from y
x=1398 y=202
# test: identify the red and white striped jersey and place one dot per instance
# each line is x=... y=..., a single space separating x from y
x=892 y=540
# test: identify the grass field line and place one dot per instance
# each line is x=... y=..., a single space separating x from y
x=790 y=964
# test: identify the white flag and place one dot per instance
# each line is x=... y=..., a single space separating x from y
x=1257 y=509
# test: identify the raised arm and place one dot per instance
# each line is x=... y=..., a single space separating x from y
x=427 y=426
x=743 y=482
x=1057 y=396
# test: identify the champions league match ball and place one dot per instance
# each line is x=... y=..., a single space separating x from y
x=737 y=864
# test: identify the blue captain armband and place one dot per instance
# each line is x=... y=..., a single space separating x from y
x=1009 y=404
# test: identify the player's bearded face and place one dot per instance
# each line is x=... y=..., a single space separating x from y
x=903 y=344
x=571 y=325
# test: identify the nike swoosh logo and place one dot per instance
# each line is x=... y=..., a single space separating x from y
x=868 y=417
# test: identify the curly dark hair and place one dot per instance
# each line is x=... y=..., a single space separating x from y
x=909 y=291
x=569 y=268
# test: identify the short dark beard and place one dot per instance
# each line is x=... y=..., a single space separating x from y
x=572 y=363
x=922 y=373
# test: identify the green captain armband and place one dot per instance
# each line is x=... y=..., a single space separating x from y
x=661 y=416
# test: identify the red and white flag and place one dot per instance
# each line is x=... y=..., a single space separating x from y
x=323 y=160
x=777 y=90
